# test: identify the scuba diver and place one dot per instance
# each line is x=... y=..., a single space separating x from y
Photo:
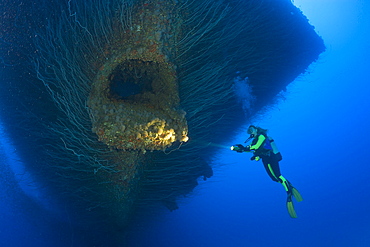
x=263 y=147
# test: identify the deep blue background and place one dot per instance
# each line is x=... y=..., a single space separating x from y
x=322 y=130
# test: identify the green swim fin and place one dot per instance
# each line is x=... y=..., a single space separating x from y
x=290 y=207
x=296 y=195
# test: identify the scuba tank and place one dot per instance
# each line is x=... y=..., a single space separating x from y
x=272 y=145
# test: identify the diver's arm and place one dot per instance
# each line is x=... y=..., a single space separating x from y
x=261 y=139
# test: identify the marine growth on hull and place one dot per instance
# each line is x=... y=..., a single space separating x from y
x=134 y=100
x=119 y=78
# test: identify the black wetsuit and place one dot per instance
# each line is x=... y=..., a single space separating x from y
x=270 y=160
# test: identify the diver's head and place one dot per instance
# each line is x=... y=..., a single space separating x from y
x=252 y=131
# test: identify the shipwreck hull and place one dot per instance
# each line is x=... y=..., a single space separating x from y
x=138 y=91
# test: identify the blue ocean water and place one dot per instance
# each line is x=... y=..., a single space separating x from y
x=321 y=128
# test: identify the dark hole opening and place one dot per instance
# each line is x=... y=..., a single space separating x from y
x=131 y=79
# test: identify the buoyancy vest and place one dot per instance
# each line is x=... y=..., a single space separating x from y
x=265 y=148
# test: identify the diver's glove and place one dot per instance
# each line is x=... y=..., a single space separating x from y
x=240 y=148
x=256 y=158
